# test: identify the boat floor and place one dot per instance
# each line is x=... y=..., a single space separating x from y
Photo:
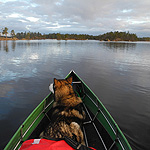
x=94 y=133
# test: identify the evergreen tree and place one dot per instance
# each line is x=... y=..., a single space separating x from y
x=5 y=31
x=27 y=36
x=12 y=33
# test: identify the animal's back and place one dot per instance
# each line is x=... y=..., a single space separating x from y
x=67 y=113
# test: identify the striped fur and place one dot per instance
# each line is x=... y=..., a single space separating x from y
x=67 y=113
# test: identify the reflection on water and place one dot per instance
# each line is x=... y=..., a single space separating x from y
x=120 y=45
x=13 y=46
x=5 y=45
x=118 y=72
x=110 y=45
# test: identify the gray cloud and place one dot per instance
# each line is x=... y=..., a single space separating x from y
x=76 y=16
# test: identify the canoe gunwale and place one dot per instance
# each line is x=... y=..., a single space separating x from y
x=37 y=118
x=115 y=132
x=23 y=136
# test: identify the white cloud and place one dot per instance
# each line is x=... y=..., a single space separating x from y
x=28 y=27
x=126 y=10
x=5 y=1
x=15 y=15
x=59 y=26
x=32 y=19
x=23 y=21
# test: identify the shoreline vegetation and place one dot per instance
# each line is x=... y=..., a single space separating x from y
x=109 y=36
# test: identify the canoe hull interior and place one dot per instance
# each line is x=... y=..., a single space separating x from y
x=100 y=130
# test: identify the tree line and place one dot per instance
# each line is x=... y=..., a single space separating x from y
x=58 y=36
x=118 y=36
x=109 y=36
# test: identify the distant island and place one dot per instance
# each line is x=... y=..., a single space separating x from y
x=109 y=36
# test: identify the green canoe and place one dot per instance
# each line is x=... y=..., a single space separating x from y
x=100 y=129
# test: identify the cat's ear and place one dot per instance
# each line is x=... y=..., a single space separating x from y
x=56 y=83
x=69 y=80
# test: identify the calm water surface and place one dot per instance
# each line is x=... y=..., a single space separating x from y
x=118 y=73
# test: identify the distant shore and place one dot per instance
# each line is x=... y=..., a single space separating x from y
x=16 y=39
x=109 y=36
x=8 y=38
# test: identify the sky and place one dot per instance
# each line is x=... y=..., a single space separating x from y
x=92 y=17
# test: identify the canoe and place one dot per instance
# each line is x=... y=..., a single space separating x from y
x=99 y=128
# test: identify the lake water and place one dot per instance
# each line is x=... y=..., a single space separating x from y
x=117 y=72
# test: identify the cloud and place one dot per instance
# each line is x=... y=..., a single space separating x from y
x=76 y=16
x=32 y=19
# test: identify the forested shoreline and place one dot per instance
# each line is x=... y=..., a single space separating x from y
x=109 y=36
